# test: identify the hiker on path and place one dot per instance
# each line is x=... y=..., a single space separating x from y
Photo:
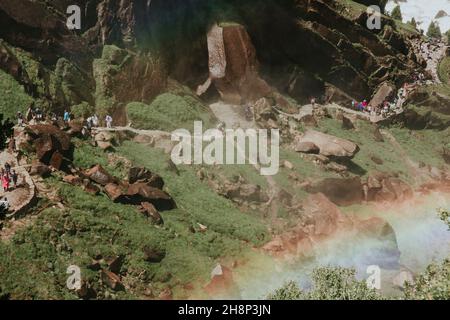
x=5 y=182
x=7 y=168
x=109 y=121
x=313 y=102
x=4 y=205
x=66 y=116
x=19 y=119
x=38 y=114
x=89 y=123
x=14 y=178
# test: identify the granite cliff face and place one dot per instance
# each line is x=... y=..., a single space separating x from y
x=296 y=47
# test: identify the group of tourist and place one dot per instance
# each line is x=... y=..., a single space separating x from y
x=8 y=175
x=36 y=115
x=389 y=106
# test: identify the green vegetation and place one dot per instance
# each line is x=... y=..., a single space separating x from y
x=413 y=23
x=168 y=112
x=444 y=70
x=362 y=164
x=13 y=97
x=82 y=110
x=397 y=13
x=434 y=31
x=202 y=203
x=92 y=225
x=329 y=283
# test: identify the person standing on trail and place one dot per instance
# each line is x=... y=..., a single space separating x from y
x=66 y=116
x=109 y=121
x=19 y=119
x=14 y=178
x=38 y=114
x=360 y=106
x=4 y=205
x=313 y=102
x=7 y=168
x=5 y=182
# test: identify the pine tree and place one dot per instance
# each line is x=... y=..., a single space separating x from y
x=434 y=31
x=396 y=13
x=413 y=23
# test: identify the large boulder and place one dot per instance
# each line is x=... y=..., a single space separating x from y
x=150 y=211
x=233 y=65
x=99 y=175
x=384 y=93
x=328 y=145
x=306 y=147
x=342 y=192
x=139 y=193
x=383 y=187
x=142 y=175
x=51 y=144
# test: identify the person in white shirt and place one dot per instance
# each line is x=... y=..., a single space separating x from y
x=4 y=205
x=108 y=120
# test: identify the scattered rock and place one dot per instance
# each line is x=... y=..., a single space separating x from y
x=115 y=192
x=115 y=263
x=166 y=294
x=99 y=175
x=221 y=280
x=378 y=137
x=73 y=180
x=336 y=167
x=348 y=122
x=153 y=255
x=51 y=144
x=151 y=212
x=112 y=280
x=376 y=160
x=288 y=165
x=140 y=192
x=306 y=147
x=142 y=175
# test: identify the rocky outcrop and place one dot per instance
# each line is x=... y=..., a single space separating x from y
x=52 y=145
x=384 y=93
x=233 y=66
x=328 y=145
x=122 y=77
x=342 y=192
x=385 y=187
x=320 y=221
